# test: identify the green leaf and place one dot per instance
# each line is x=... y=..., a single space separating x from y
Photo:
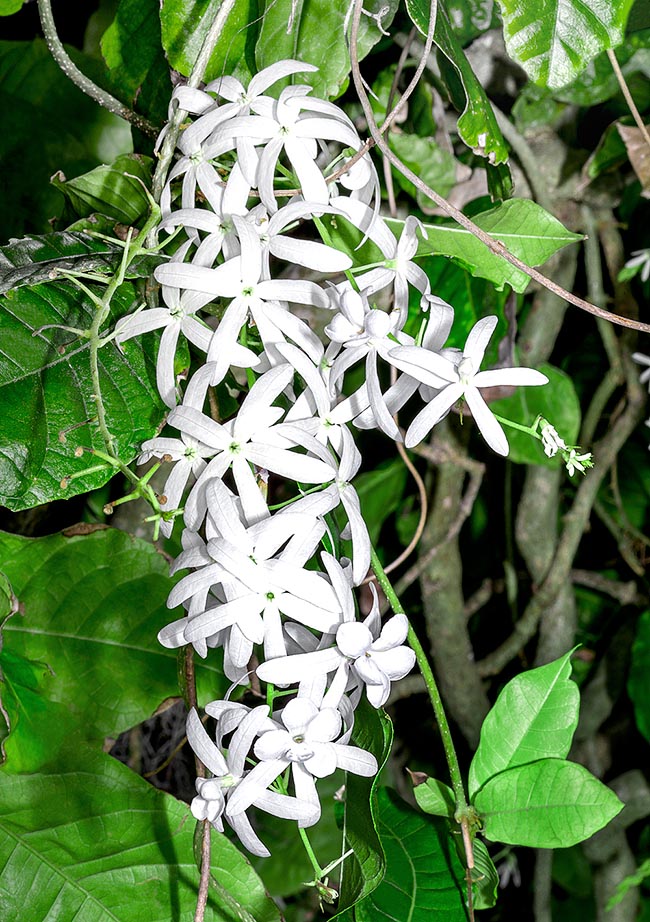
x=526 y=229
x=424 y=876
x=556 y=401
x=118 y=190
x=638 y=685
x=131 y=45
x=90 y=840
x=471 y=18
x=47 y=394
x=628 y=883
x=185 y=24
x=485 y=877
x=380 y=494
x=545 y=804
x=534 y=717
x=313 y=31
x=93 y=606
x=434 y=797
x=554 y=40
x=9 y=7
x=477 y=124
x=34 y=259
x=54 y=126
x=433 y=164
x=364 y=870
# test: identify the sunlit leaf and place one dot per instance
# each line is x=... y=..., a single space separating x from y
x=90 y=840
x=533 y=718
x=554 y=40
x=545 y=804
x=118 y=190
x=424 y=877
x=436 y=798
x=93 y=606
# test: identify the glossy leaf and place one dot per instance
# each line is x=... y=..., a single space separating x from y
x=185 y=23
x=93 y=606
x=54 y=126
x=424 y=876
x=436 y=798
x=90 y=840
x=118 y=190
x=639 y=680
x=363 y=871
x=131 y=46
x=534 y=717
x=554 y=40
x=485 y=877
x=33 y=259
x=545 y=804
x=477 y=124
x=557 y=402
x=47 y=394
x=313 y=32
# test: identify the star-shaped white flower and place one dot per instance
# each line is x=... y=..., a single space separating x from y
x=462 y=378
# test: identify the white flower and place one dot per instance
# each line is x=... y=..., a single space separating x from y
x=306 y=743
x=643 y=360
x=463 y=379
x=640 y=258
x=551 y=441
x=575 y=462
x=189 y=456
x=214 y=794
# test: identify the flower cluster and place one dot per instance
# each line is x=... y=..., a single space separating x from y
x=257 y=176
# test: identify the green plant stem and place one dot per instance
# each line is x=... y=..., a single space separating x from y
x=84 y=83
x=432 y=688
x=318 y=871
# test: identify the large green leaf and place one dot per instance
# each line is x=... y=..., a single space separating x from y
x=554 y=40
x=524 y=227
x=93 y=606
x=639 y=681
x=33 y=259
x=89 y=840
x=47 y=394
x=363 y=871
x=185 y=24
x=315 y=32
x=556 y=401
x=545 y=804
x=477 y=124
x=534 y=717
x=424 y=876
x=52 y=126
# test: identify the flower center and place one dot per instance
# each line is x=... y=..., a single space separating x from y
x=466 y=371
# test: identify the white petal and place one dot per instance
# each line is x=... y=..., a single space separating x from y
x=355 y=760
x=432 y=413
x=488 y=425
x=478 y=339
x=501 y=377
x=203 y=746
x=289 y=669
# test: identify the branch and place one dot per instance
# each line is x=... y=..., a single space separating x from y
x=494 y=246
x=84 y=83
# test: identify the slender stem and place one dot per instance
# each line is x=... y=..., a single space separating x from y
x=86 y=85
x=495 y=246
x=318 y=871
x=432 y=687
x=628 y=96
x=204 y=882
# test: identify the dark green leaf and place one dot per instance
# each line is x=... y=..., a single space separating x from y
x=185 y=24
x=314 y=32
x=534 y=717
x=54 y=126
x=131 y=45
x=556 y=401
x=471 y=18
x=33 y=259
x=545 y=804
x=90 y=840
x=118 y=190
x=47 y=394
x=424 y=877
x=485 y=877
x=555 y=40
x=436 y=798
x=639 y=681
x=93 y=606
x=363 y=871
x=477 y=124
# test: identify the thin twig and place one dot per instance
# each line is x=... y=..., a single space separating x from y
x=628 y=96
x=495 y=246
x=84 y=83
x=388 y=176
x=624 y=593
x=204 y=883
